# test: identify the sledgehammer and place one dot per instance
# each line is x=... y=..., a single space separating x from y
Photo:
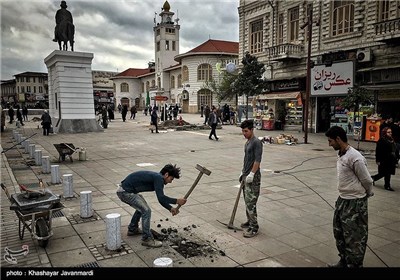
x=202 y=170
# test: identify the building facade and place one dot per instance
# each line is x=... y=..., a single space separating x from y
x=28 y=88
x=177 y=78
x=353 y=44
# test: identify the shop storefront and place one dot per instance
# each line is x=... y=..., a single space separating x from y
x=329 y=84
x=282 y=106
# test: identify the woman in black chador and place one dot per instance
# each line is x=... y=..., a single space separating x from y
x=385 y=156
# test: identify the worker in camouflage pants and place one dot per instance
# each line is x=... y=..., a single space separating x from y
x=351 y=229
x=350 y=219
x=251 y=175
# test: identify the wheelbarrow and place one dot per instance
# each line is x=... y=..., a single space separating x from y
x=64 y=150
x=34 y=209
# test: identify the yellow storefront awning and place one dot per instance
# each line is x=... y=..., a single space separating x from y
x=279 y=95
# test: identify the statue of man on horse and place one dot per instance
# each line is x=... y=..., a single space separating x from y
x=65 y=29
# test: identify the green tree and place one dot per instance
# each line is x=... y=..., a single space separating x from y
x=356 y=97
x=223 y=86
x=250 y=81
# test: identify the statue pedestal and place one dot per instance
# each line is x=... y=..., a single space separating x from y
x=71 y=102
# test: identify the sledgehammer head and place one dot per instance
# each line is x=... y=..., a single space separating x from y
x=203 y=169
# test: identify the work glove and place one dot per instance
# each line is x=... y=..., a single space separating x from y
x=249 y=178
x=240 y=177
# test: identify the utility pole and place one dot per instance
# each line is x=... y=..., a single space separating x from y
x=309 y=24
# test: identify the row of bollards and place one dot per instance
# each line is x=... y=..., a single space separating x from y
x=113 y=220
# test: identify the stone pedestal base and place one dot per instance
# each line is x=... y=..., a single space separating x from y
x=77 y=126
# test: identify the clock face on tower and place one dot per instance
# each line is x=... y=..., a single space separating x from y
x=168 y=19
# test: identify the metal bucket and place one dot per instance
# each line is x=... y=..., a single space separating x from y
x=82 y=155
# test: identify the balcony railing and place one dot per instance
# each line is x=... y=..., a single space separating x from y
x=387 y=30
x=285 y=51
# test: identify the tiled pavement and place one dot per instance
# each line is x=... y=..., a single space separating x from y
x=295 y=207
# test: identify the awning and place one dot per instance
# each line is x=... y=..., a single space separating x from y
x=379 y=68
x=279 y=95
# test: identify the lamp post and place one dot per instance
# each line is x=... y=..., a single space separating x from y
x=309 y=24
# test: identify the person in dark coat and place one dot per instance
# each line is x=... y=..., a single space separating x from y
x=19 y=116
x=385 y=155
x=110 y=113
x=154 y=119
x=104 y=116
x=11 y=113
x=46 y=122
x=124 y=112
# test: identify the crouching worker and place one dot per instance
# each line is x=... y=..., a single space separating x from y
x=148 y=181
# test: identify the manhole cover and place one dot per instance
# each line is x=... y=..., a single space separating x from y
x=89 y=265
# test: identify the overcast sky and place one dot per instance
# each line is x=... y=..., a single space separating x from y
x=118 y=32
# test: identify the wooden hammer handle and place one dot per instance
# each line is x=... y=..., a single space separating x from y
x=192 y=188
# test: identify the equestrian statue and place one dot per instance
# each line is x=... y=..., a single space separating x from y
x=65 y=29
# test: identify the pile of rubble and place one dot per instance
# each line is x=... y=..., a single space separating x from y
x=187 y=243
x=287 y=139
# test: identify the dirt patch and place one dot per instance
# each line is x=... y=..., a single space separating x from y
x=186 y=242
x=172 y=123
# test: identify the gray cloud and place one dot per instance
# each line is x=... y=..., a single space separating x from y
x=119 y=33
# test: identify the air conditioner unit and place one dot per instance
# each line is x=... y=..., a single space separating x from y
x=185 y=95
x=364 y=55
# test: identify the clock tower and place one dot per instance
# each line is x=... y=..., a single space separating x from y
x=166 y=40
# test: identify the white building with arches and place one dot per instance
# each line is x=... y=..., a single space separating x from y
x=182 y=78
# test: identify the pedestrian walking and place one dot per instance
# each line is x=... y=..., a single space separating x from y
x=350 y=218
x=124 y=112
x=46 y=122
x=251 y=175
x=11 y=113
x=154 y=119
x=25 y=113
x=386 y=157
x=19 y=116
x=148 y=181
x=133 y=112
x=213 y=122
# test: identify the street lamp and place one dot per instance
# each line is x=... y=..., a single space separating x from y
x=309 y=24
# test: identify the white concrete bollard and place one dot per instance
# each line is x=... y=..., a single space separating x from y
x=27 y=143
x=45 y=164
x=113 y=231
x=68 y=185
x=18 y=137
x=163 y=262
x=22 y=141
x=55 y=174
x=38 y=157
x=32 y=149
x=13 y=134
x=86 y=204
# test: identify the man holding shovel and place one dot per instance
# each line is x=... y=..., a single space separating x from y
x=148 y=181
x=251 y=175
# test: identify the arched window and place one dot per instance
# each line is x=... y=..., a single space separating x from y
x=179 y=80
x=124 y=87
x=147 y=86
x=204 y=72
x=159 y=82
x=185 y=74
x=172 y=83
x=153 y=83
x=142 y=87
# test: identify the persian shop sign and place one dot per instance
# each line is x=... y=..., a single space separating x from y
x=333 y=80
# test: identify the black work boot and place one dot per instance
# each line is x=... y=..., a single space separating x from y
x=341 y=263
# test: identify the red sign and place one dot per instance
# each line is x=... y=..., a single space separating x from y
x=160 y=98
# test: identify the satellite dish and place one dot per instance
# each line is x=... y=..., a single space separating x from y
x=230 y=67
